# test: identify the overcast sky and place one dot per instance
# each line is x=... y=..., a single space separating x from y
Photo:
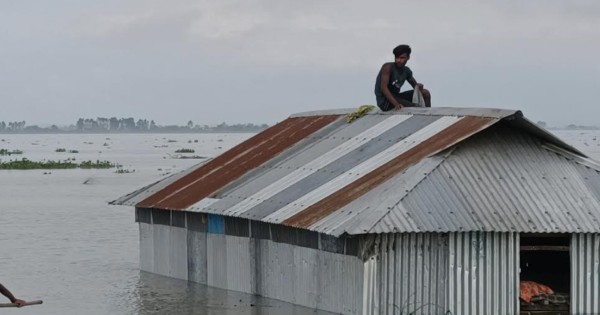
x=262 y=60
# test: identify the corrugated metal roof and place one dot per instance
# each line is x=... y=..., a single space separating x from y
x=502 y=180
x=234 y=163
x=384 y=173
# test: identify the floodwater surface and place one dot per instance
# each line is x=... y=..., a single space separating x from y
x=61 y=242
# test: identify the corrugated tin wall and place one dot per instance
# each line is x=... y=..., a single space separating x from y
x=585 y=274
x=407 y=275
x=474 y=273
x=315 y=271
x=484 y=273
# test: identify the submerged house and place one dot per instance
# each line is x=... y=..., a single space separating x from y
x=418 y=211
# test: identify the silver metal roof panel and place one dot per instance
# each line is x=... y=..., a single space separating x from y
x=502 y=182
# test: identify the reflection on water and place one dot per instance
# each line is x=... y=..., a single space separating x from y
x=161 y=295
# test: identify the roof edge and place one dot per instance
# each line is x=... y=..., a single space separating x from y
x=339 y=111
x=425 y=111
x=546 y=135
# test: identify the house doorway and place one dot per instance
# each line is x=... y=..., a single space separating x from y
x=545 y=274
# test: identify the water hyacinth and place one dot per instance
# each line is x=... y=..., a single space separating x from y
x=25 y=164
x=10 y=152
x=185 y=151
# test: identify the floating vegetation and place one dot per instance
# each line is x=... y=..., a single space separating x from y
x=185 y=151
x=8 y=152
x=97 y=164
x=65 y=150
x=25 y=164
x=124 y=171
x=181 y=157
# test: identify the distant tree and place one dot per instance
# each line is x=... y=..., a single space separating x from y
x=190 y=124
x=79 y=124
x=128 y=123
x=142 y=124
x=103 y=123
x=113 y=123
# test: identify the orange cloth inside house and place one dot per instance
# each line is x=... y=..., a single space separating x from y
x=530 y=289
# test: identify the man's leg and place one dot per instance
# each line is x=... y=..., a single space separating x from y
x=426 y=97
x=384 y=105
x=405 y=98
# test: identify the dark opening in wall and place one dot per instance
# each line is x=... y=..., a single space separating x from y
x=545 y=274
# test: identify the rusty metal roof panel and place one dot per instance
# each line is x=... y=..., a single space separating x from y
x=359 y=216
x=336 y=162
x=435 y=137
x=506 y=181
x=328 y=191
x=137 y=196
x=294 y=167
x=234 y=163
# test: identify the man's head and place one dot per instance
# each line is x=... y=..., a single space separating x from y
x=401 y=55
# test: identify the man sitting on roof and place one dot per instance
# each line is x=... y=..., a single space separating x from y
x=390 y=79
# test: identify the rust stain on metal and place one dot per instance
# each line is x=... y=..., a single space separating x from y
x=234 y=163
x=435 y=144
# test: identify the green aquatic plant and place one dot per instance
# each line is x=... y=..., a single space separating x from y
x=183 y=157
x=97 y=164
x=124 y=171
x=185 y=151
x=25 y=164
x=8 y=152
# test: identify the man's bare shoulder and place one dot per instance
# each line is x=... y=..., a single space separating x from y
x=387 y=66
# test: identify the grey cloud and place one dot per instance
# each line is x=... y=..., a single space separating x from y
x=260 y=61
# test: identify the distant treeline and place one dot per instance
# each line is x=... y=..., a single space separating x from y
x=125 y=125
x=568 y=127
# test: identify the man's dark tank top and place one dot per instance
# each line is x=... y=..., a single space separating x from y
x=397 y=79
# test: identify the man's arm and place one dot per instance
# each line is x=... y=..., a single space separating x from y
x=413 y=82
x=385 y=80
x=10 y=296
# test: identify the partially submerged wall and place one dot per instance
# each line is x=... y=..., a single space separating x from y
x=292 y=265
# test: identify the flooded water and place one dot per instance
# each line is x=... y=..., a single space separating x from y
x=61 y=242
